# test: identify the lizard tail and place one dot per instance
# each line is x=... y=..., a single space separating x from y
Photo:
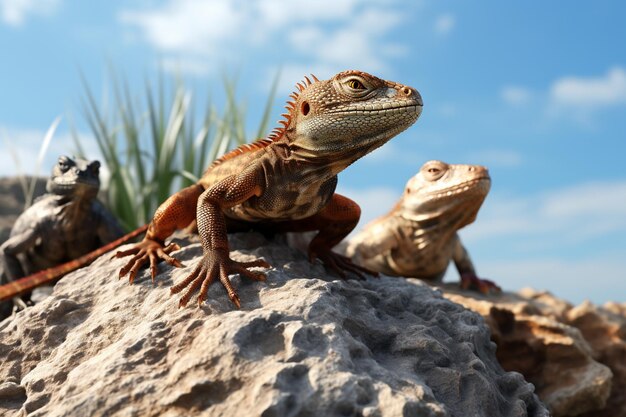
x=28 y=283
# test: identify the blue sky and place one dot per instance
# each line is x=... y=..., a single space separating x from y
x=534 y=90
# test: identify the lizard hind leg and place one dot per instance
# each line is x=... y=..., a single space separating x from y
x=334 y=222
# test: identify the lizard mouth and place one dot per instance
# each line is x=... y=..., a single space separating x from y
x=477 y=185
x=77 y=183
x=79 y=186
x=381 y=108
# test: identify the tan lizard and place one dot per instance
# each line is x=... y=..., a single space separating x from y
x=418 y=237
x=285 y=182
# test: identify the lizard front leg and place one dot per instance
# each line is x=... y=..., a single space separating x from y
x=176 y=212
x=13 y=247
x=216 y=262
x=469 y=279
x=8 y=257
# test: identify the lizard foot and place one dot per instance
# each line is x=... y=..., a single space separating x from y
x=144 y=251
x=212 y=265
x=484 y=286
x=340 y=264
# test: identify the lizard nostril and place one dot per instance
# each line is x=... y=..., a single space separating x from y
x=407 y=91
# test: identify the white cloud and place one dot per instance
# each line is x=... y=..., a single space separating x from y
x=573 y=97
x=445 y=24
x=188 y=25
x=324 y=33
x=515 y=95
x=532 y=241
x=562 y=217
x=15 y=12
x=606 y=90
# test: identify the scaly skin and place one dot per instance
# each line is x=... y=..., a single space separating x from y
x=62 y=225
x=285 y=182
x=418 y=237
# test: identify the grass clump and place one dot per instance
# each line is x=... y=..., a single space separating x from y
x=154 y=143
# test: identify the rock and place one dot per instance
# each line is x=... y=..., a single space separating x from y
x=575 y=356
x=302 y=344
x=604 y=328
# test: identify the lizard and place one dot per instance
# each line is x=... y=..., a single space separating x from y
x=284 y=182
x=418 y=238
x=64 y=224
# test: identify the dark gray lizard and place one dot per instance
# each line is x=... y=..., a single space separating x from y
x=61 y=225
x=418 y=237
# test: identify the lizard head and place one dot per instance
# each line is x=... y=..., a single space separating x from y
x=74 y=177
x=348 y=116
x=446 y=193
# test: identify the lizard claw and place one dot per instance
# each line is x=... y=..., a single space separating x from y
x=147 y=251
x=340 y=264
x=217 y=264
x=484 y=286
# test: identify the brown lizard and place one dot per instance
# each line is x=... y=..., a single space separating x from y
x=418 y=237
x=285 y=182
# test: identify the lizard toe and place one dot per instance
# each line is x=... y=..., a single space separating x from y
x=483 y=286
x=124 y=253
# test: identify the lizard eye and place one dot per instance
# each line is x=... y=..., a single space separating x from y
x=356 y=84
x=63 y=164
x=434 y=170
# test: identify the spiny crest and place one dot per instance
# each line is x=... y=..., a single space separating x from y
x=278 y=132
x=291 y=107
x=247 y=147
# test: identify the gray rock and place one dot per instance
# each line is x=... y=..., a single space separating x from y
x=303 y=344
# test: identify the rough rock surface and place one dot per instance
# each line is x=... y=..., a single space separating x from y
x=301 y=345
x=575 y=356
x=604 y=328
